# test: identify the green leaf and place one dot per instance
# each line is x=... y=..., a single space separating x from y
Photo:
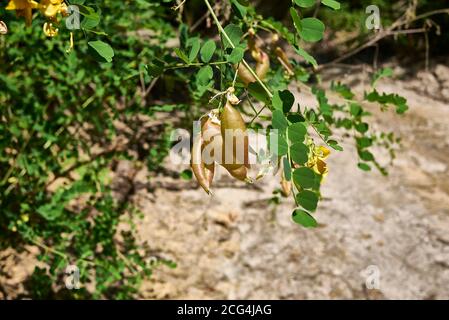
x=304 y=178
x=195 y=45
x=364 y=142
x=312 y=30
x=308 y=200
x=296 y=20
x=366 y=155
x=332 y=4
x=343 y=90
x=283 y=100
x=355 y=109
x=282 y=146
x=207 y=51
x=279 y=121
x=155 y=69
x=306 y=56
x=299 y=153
x=91 y=18
x=103 y=49
x=258 y=92
x=181 y=54
x=278 y=144
x=287 y=169
x=204 y=75
x=234 y=33
x=240 y=8
x=334 y=145
x=236 y=55
x=362 y=127
x=303 y=218
x=297 y=132
x=364 y=166
x=305 y=3
x=386 y=99
x=382 y=73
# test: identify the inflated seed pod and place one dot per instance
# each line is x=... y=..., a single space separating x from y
x=212 y=141
x=286 y=186
x=209 y=171
x=263 y=65
x=235 y=138
x=245 y=75
x=202 y=174
x=240 y=173
x=282 y=56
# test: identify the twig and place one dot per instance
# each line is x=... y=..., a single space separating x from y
x=220 y=28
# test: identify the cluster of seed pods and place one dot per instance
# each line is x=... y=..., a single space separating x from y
x=222 y=140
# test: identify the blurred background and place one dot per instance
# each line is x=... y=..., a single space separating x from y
x=85 y=179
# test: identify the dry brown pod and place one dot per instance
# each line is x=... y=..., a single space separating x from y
x=204 y=175
x=262 y=67
x=212 y=140
x=240 y=173
x=235 y=138
x=286 y=186
x=245 y=75
x=283 y=59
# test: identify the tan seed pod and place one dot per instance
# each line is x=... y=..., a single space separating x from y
x=233 y=132
x=3 y=28
x=202 y=174
x=286 y=186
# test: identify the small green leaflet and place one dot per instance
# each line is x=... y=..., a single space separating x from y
x=305 y=3
x=297 y=132
x=332 y=4
x=283 y=100
x=279 y=121
x=204 y=75
x=364 y=166
x=312 y=30
x=296 y=19
x=207 y=51
x=287 y=169
x=308 y=200
x=306 y=56
x=299 y=153
x=103 y=49
x=195 y=45
x=382 y=73
x=240 y=8
x=303 y=218
x=234 y=33
x=182 y=55
x=278 y=144
x=391 y=98
x=304 y=178
x=236 y=55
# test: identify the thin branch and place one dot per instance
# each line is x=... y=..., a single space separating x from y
x=220 y=28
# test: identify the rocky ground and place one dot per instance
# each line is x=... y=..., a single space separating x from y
x=235 y=245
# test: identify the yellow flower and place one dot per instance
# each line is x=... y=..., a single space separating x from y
x=316 y=160
x=25 y=217
x=51 y=8
x=50 y=30
x=23 y=8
